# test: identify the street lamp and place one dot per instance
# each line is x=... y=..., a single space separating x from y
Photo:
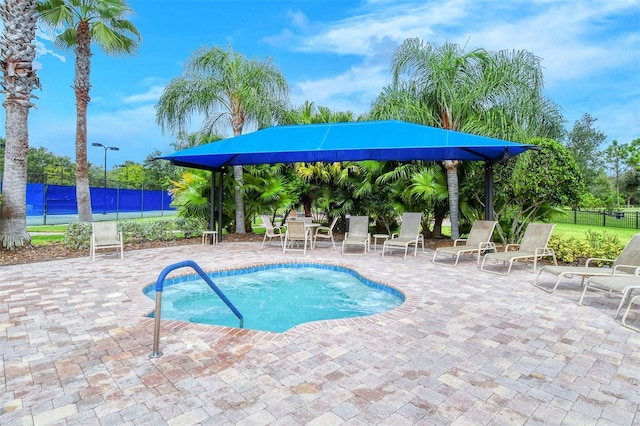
x=106 y=148
x=61 y=172
x=126 y=173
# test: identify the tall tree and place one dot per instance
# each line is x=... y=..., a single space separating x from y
x=219 y=84
x=617 y=156
x=104 y=23
x=496 y=94
x=17 y=52
x=584 y=142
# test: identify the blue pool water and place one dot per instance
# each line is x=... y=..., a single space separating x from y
x=276 y=297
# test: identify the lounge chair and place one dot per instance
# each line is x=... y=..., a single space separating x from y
x=625 y=264
x=358 y=234
x=326 y=232
x=271 y=231
x=634 y=301
x=409 y=235
x=533 y=247
x=296 y=233
x=478 y=241
x=617 y=285
x=105 y=235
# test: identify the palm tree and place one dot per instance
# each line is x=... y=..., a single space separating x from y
x=18 y=51
x=497 y=94
x=219 y=84
x=85 y=21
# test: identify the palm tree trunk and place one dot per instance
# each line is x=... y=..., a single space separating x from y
x=13 y=219
x=237 y=123
x=82 y=87
x=19 y=19
x=452 y=185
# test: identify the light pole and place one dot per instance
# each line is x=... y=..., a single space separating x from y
x=106 y=148
x=61 y=172
x=126 y=174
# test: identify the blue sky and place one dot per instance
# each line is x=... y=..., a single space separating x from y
x=337 y=54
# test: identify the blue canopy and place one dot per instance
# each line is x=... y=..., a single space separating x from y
x=354 y=141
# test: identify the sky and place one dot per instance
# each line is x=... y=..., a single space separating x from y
x=337 y=54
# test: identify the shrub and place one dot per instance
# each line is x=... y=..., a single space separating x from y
x=599 y=245
x=78 y=235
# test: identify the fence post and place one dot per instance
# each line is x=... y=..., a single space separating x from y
x=575 y=215
x=604 y=218
x=44 y=204
x=637 y=219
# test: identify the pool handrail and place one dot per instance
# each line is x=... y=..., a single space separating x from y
x=156 y=353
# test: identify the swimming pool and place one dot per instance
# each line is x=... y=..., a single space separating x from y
x=276 y=297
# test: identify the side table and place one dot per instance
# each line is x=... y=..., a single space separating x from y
x=376 y=237
x=210 y=234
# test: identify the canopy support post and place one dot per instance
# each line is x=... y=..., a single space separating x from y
x=212 y=204
x=220 y=189
x=488 y=191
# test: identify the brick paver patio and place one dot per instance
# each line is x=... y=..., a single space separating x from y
x=466 y=348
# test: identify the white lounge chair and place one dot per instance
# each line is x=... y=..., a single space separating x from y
x=616 y=285
x=297 y=233
x=624 y=264
x=634 y=301
x=358 y=234
x=409 y=235
x=105 y=235
x=326 y=232
x=478 y=241
x=533 y=247
x=271 y=231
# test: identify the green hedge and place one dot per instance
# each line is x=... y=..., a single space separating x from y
x=78 y=235
x=577 y=251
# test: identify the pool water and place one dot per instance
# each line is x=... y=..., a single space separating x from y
x=276 y=298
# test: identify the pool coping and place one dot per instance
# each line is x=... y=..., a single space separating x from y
x=409 y=305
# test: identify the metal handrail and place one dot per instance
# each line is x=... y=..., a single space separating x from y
x=156 y=353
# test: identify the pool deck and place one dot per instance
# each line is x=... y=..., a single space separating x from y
x=466 y=348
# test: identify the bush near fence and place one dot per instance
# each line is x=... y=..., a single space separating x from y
x=617 y=219
x=78 y=234
x=575 y=251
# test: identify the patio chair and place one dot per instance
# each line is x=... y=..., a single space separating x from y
x=271 y=231
x=478 y=241
x=617 y=285
x=409 y=235
x=634 y=301
x=358 y=234
x=533 y=247
x=105 y=235
x=624 y=264
x=326 y=232
x=297 y=233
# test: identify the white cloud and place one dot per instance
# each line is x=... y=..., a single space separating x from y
x=151 y=95
x=137 y=133
x=352 y=90
x=298 y=19
x=567 y=36
x=393 y=21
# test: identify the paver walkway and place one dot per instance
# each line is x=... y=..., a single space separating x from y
x=466 y=348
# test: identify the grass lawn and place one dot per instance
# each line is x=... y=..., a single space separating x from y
x=579 y=231
x=561 y=229
x=567 y=230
